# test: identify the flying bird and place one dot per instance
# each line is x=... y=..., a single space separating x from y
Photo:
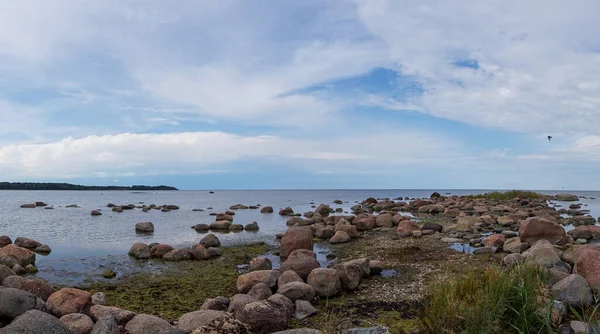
x=549 y=138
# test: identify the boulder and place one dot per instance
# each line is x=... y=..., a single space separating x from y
x=238 y=301
x=325 y=232
x=588 y=266
x=264 y=316
x=364 y=264
x=220 y=225
x=297 y=221
x=238 y=207
x=324 y=210
x=245 y=282
x=107 y=325
x=432 y=227
x=251 y=227
x=5 y=240
x=201 y=227
x=36 y=322
x=68 y=300
x=304 y=309
x=145 y=227
x=140 y=250
x=494 y=240
x=236 y=227
x=194 y=320
x=260 y=291
x=542 y=253
x=28 y=206
x=283 y=301
x=267 y=209
x=178 y=255
x=200 y=252
x=535 y=228
x=260 y=263
x=364 y=224
x=505 y=221
x=223 y=324
x=350 y=275
x=384 y=220
x=96 y=213
x=172 y=207
x=296 y=238
x=288 y=277
x=586 y=232
x=14 y=302
x=339 y=237
x=573 y=291
x=120 y=315
x=78 y=323
x=219 y=303
x=344 y=225
x=464 y=223
x=325 y=281
x=12 y=254
x=159 y=250
x=210 y=240
x=514 y=245
x=286 y=212
x=99 y=298
x=43 y=249
x=36 y=286
x=583 y=220
x=26 y=243
x=513 y=259
x=147 y=324
x=405 y=228
x=301 y=264
x=214 y=252
x=297 y=290
x=5 y=272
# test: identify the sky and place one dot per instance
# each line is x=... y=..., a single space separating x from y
x=312 y=94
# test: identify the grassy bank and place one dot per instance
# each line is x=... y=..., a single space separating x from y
x=508 y=195
x=182 y=287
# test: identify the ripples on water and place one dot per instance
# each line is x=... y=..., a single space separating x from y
x=83 y=244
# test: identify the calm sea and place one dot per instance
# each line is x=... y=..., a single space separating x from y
x=82 y=245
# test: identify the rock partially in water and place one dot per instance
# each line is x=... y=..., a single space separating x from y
x=27 y=243
x=201 y=227
x=43 y=249
x=210 y=240
x=260 y=263
x=251 y=227
x=160 y=250
x=28 y=206
x=140 y=251
x=145 y=227
x=178 y=255
x=96 y=213
x=296 y=238
x=5 y=240
x=267 y=209
x=566 y=198
x=12 y=254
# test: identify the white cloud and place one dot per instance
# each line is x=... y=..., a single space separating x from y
x=539 y=60
x=198 y=152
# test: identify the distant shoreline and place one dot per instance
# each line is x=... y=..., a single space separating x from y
x=69 y=186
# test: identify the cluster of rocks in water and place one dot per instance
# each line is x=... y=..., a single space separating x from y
x=206 y=249
x=20 y=255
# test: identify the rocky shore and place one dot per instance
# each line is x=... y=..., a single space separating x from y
x=383 y=257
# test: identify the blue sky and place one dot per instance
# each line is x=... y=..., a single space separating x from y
x=301 y=94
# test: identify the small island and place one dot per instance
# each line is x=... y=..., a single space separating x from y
x=68 y=186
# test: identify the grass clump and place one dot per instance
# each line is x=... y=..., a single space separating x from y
x=508 y=195
x=182 y=287
x=490 y=301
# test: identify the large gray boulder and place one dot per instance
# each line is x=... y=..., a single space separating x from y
x=573 y=290
x=297 y=291
x=264 y=316
x=194 y=320
x=5 y=272
x=106 y=325
x=36 y=286
x=146 y=227
x=147 y=324
x=325 y=281
x=36 y=322
x=14 y=302
x=304 y=309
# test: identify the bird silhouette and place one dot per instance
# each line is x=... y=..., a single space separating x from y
x=549 y=138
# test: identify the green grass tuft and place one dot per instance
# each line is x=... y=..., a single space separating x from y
x=488 y=301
